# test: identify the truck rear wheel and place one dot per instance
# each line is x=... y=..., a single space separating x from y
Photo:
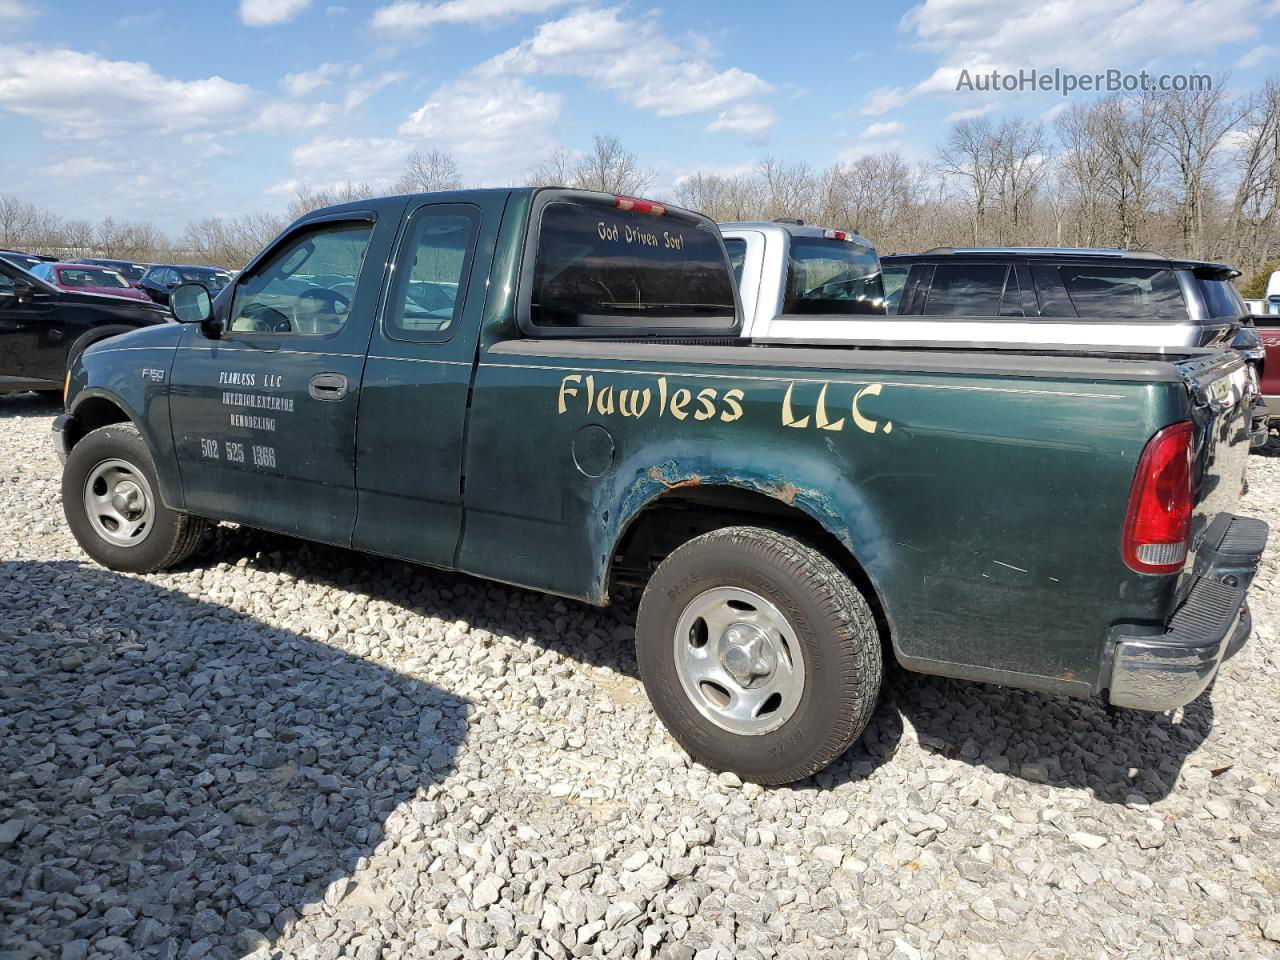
x=758 y=654
x=110 y=499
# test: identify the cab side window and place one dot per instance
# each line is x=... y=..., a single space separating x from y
x=430 y=283
x=306 y=286
x=6 y=285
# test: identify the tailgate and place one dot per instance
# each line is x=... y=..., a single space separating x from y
x=1221 y=398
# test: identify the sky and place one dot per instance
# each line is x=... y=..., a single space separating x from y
x=173 y=112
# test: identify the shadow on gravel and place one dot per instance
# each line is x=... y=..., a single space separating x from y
x=1042 y=739
x=28 y=405
x=181 y=780
x=1053 y=740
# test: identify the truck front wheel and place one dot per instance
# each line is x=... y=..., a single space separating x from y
x=109 y=496
x=758 y=654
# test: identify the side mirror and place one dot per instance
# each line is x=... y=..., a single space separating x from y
x=23 y=290
x=190 y=303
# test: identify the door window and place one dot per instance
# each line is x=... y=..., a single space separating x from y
x=305 y=287
x=431 y=273
x=966 y=290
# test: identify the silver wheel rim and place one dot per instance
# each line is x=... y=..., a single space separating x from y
x=118 y=503
x=739 y=661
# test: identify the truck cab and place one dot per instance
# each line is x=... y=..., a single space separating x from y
x=789 y=272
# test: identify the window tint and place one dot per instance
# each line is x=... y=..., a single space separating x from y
x=6 y=284
x=894 y=279
x=966 y=290
x=1050 y=293
x=90 y=277
x=598 y=266
x=1221 y=298
x=833 y=276
x=306 y=286
x=737 y=248
x=213 y=280
x=1011 y=306
x=431 y=274
x=1124 y=292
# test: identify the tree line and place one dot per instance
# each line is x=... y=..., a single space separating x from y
x=1188 y=173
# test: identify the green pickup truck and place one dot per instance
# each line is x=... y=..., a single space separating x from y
x=547 y=388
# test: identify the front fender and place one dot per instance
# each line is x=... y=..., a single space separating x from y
x=134 y=380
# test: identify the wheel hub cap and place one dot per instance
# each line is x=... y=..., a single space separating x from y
x=739 y=661
x=118 y=503
x=747 y=654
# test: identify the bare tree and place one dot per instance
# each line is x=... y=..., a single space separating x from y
x=609 y=167
x=1189 y=127
x=555 y=171
x=969 y=154
x=428 y=172
x=307 y=198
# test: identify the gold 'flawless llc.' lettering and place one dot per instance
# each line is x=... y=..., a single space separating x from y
x=680 y=403
x=823 y=417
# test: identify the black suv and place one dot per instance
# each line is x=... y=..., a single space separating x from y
x=163 y=277
x=1062 y=295
x=43 y=328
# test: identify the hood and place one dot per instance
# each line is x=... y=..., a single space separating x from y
x=129 y=293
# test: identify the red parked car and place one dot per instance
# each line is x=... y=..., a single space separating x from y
x=87 y=278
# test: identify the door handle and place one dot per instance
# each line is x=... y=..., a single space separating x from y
x=328 y=386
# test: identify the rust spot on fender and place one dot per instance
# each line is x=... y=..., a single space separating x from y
x=694 y=480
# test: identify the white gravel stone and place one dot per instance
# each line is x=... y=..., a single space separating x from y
x=295 y=750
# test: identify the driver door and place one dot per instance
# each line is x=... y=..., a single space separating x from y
x=264 y=416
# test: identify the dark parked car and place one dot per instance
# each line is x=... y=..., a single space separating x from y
x=1058 y=295
x=24 y=260
x=43 y=328
x=163 y=277
x=127 y=268
x=87 y=278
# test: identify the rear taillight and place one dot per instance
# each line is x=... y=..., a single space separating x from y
x=636 y=205
x=1158 y=525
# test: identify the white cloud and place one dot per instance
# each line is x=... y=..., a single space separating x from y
x=883 y=99
x=486 y=126
x=752 y=120
x=981 y=35
x=362 y=91
x=291 y=115
x=11 y=10
x=268 y=13
x=889 y=128
x=65 y=89
x=972 y=113
x=340 y=159
x=1256 y=56
x=307 y=81
x=412 y=15
x=635 y=58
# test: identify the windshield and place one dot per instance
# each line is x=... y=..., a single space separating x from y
x=213 y=279
x=90 y=277
x=600 y=266
x=833 y=276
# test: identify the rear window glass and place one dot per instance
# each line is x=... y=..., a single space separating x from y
x=833 y=276
x=1221 y=298
x=894 y=278
x=213 y=279
x=737 y=249
x=966 y=290
x=598 y=266
x=1124 y=293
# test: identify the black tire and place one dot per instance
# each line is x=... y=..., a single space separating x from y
x=831 y=620
x=169 y=538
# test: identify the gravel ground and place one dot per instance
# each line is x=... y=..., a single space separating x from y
x=291 y=751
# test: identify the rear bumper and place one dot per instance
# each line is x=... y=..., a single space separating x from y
x=1163 y=671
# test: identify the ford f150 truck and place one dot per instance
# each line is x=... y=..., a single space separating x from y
x=548 y=388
